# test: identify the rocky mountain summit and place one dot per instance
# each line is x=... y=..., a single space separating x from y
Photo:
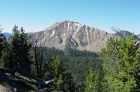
x=126 y=34
x=72 y=34
x=138 y=36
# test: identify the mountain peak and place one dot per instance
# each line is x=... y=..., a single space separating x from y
x=125 y=34
x=69 y=21
x=72 y=34
x=65 y=24
x=138 y=36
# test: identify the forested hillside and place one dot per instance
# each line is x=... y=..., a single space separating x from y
x=67 y=69
x=78 y=62
x=26 y=66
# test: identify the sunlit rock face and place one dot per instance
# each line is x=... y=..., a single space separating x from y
x=138 y=36
x=72 y=34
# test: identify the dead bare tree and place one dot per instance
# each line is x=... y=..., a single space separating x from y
x=1 y=28
x=39 y=51
x=117 y=31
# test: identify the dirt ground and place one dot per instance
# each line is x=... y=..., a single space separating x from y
x=4 y=89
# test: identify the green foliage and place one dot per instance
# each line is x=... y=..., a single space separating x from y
x=78 y=62
x=7 y=58
x=56 y=66
x=116 y=71
x=21 y=49
x=6 y=84
x=92 y=82
x=128 y=65
x=63 y=79
x=2 y=41
x=31 y=91
x=110 y=56
x=121 y=65
x=24 y=83
x=18 y=51
x=46 y=90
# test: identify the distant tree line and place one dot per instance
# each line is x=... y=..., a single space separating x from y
x=114 y=69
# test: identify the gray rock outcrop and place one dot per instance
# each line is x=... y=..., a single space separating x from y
x=72 y=34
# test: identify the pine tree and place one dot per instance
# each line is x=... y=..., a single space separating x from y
x=25 y=50
x=121 y=65
x=21 y=49
x=2 y=40
x=128 y=66
x=7 y=57
x=110 y=55
x=92 y=82
x=63 y=78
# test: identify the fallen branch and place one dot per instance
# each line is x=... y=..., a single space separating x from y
x=47 y=83
x=27 y=74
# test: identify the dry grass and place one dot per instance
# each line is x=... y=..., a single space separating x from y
x=4 y=89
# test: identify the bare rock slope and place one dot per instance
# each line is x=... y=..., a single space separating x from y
x=126 y=34
x=138 y=36
x=72 y=34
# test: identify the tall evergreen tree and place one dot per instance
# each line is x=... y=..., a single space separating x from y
x=21 y=49
x=110 y=55
x=128 y=66
x=63 y=78
x=92 y=82
x=121 y=65
x=7 y=57
x=2 y=40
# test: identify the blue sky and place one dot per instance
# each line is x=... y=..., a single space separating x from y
x=37 y=15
